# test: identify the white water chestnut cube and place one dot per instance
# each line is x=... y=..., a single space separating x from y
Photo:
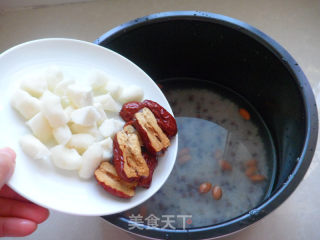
x=66 y=158
x=32 y=147
x=80 y=96
x=114 y=115
x=91 y=159
x=35 y=84
x=80 y=142
x=107 y=145
x=68 y=110
x=40 y=127
x=103 y=115
x=62 y=134
x=76 y=128
x=130 y=93
x=53 y=75
x=108 y=103
x=93 y=131
x=65 y=101
x=61 y=87
x=85 y=116
x=25 y=104
x=110 y=127
x=98 y=81
x=113 y=88
x=52 y=110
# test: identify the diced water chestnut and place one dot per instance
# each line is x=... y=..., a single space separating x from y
x=80 y=96
x=34 y=148
x=25 y=104
x=130 y=93
x=98 y=81
x=85 y=116
x=103 y=115
x=65 y=101
x=66 y=158
x=62 y=134
x=62 y=87
x=76 y=128
x=68 y=110
x=34 y=84
x=91 y=159
x=40 y=127
x=107 y=145
x=107 y=103
x=52 y=110
x=113 y=88
x=64 y=114
x=80 y=142
x=110 y=126
x=53 y=75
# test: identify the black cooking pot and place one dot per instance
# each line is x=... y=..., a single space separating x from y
x=234 y=54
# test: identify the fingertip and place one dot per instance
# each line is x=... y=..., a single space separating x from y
x=26 y=227
x=43 y=215
x=16 y=227
x=10 y=152
x=7 y=164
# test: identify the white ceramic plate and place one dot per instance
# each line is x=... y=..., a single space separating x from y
x=41 y=182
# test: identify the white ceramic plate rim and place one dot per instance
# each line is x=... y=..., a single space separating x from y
x=16 y=183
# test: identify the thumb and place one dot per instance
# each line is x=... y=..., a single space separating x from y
x=7 y=163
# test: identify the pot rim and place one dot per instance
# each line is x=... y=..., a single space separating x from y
x=311 y=122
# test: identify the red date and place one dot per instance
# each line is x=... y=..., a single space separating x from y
x=129 y=109
x=135 y=148
x=107 y=177
x=152 y=164
x=152 y=136
x=127 y=155
x=164 y=119
x=118 y=161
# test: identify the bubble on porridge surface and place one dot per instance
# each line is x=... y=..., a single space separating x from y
x=211 y=129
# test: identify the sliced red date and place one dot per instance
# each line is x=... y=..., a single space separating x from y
x=107 y=177
x=165 y=120
x=127 y=156
x=146 y=132
x=153 y=138
x=152 y=164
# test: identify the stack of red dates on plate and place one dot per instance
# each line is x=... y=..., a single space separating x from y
x=136 y=147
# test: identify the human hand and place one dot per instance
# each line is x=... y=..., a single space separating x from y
x=18 y=216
